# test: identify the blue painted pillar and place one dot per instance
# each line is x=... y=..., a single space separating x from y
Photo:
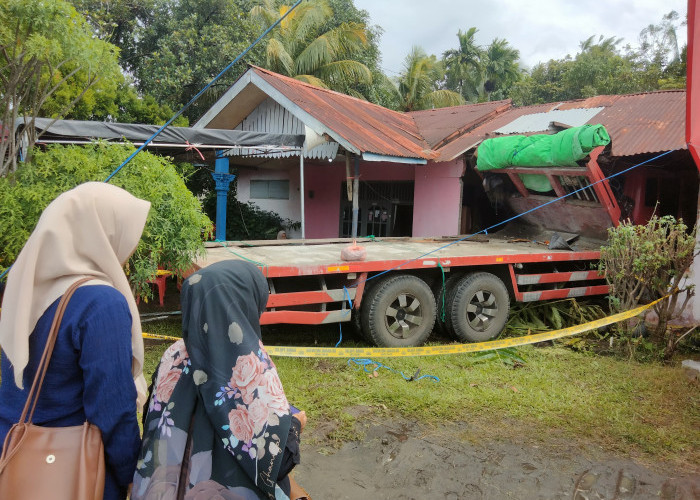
x=223 y=179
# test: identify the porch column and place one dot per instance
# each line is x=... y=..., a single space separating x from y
x=303 y=194
x=223 y=178
x=355 y=197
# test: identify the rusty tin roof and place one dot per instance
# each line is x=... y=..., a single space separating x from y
x=368 y=127
x=637 y=123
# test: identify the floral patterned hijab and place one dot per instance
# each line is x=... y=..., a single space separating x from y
x=219 y=386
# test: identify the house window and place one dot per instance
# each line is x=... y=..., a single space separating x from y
x=269 y=190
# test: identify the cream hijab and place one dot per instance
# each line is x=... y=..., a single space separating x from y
x=91 y=230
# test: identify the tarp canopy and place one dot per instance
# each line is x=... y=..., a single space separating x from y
x=563 y=149
x=71 y=131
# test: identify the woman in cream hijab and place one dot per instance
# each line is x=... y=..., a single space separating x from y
x=95 y=372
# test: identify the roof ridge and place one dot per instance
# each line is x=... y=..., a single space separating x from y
x=468 y=104
x=321 y=89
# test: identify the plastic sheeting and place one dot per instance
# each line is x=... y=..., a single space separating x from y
x=563 y=149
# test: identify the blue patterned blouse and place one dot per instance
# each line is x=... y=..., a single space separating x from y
x=89 y=377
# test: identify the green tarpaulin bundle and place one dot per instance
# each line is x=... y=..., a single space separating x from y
x=563 y=149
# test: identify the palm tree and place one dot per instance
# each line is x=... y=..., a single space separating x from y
x=500 y=68
x=464 y=66
x=419 y=83
x=481 y=74
x=302 y=48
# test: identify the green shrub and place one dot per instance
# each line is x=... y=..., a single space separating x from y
x=247 y=221
x=645 y=263
x=176 y=223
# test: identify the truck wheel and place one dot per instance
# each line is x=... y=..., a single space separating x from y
x=440 y=291
x=478 y=307
x=400 y=312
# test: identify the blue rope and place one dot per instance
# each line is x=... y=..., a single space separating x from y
x=366 y=363
x=202 y=91
x=340 y=327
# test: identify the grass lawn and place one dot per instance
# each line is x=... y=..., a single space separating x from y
x=650 y=412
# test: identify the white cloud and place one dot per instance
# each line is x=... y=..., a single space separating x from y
x=542 y=30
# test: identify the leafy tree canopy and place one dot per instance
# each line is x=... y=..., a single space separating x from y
x=314 y=46
x=178 y=46
x=481 y=74
x=603 y=66
x=419 y=83
x=175 y=226
x=50 y=65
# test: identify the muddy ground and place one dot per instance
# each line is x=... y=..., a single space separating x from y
x=399 y=459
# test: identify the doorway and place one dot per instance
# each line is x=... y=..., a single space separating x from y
x=385 y=209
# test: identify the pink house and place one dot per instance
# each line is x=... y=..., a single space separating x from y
x=405 y=187
x=412 y=174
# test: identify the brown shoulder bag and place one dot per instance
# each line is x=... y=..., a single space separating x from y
x=60 y=463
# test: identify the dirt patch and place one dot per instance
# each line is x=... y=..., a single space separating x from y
x=399 y=459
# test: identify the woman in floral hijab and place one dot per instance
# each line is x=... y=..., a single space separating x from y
x=218 y=423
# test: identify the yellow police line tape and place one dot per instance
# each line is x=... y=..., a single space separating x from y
x=436 y=350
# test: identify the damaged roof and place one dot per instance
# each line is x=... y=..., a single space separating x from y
x=637 y=123
x=649 y=122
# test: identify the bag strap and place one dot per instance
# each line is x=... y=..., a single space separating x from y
x=33 y=395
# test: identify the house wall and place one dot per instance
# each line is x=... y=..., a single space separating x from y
x=438 y=198
x=290 y=209
x=437 y=194
x=325 y=181
x=691 y=315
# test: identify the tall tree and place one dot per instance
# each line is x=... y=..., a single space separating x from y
x=464 y=66
x=123 y=23
x=659 y=51
x=187 y=43
x=50 y=65
x=501 y=69
x=305 y=47
x=480 y=74
x=419 y=83
x=604 y=67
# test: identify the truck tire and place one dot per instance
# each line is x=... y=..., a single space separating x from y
x=440 y=291
x=478 y=307
x=399 y=312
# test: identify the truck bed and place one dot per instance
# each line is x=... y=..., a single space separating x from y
x=280 y=258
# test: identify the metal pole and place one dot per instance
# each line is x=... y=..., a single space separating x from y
x=303 y=194
x=355 y=196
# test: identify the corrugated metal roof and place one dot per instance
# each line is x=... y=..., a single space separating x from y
x=645 y=123
x=541 y=122
x=437 y=126
x=368 y=127
x=467 y=141
x=637 y=123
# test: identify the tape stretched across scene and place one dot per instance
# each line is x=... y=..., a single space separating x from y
x=438 y=350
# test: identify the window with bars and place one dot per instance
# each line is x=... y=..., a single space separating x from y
x=580 y=186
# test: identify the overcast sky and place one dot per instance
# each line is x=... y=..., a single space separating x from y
x=541 y=29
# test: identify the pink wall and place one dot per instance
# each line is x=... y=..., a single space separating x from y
x=325 y=180
x=437 y=194
x=437 y=198
x=323 y=210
